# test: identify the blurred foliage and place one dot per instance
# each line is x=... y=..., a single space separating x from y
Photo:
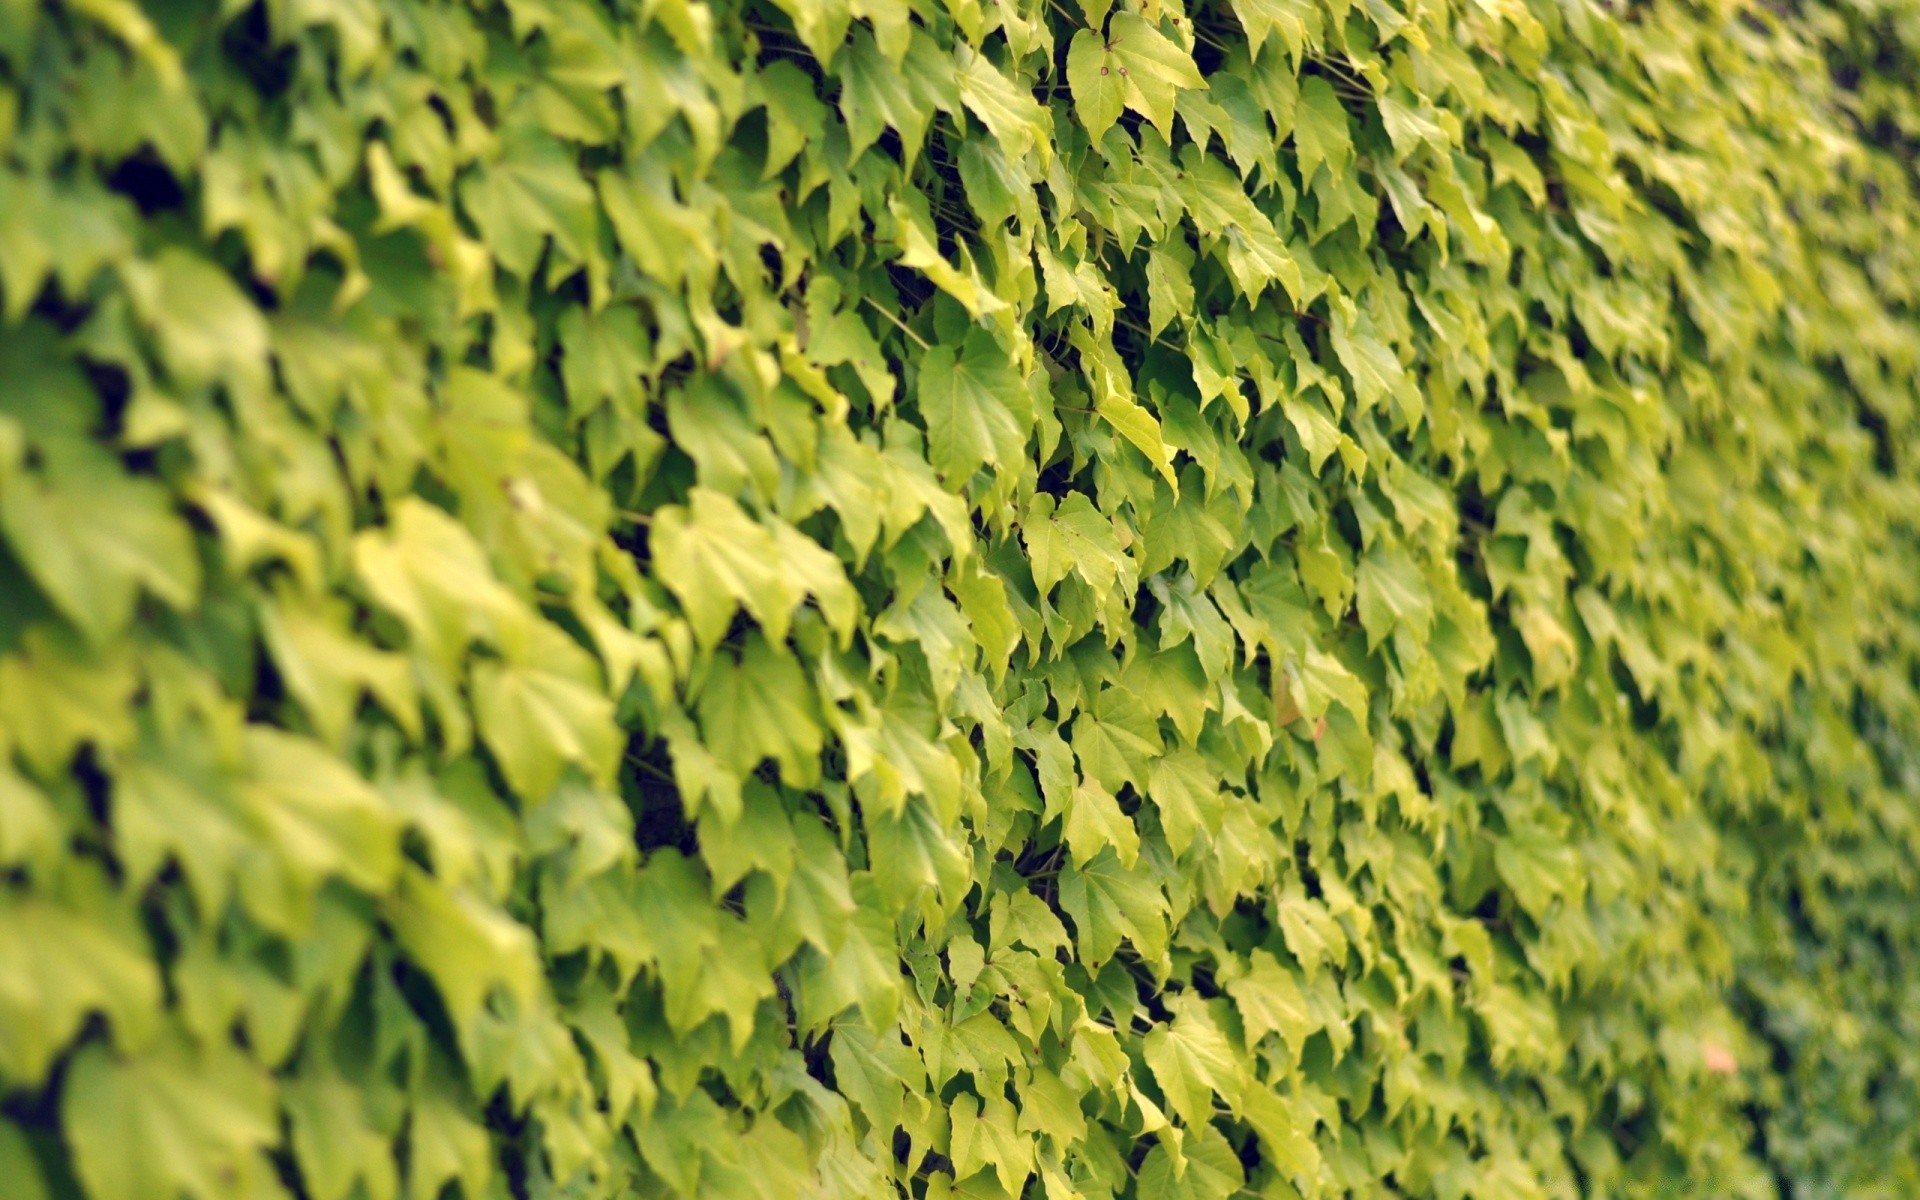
x=840 y=598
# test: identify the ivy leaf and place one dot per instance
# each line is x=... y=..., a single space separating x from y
x=533 y=191
x=1169 y=290
x=1009 y=112
x=1116 y=740
x=208 y=329
x=976 y=407
x=1375 y=372
x=465 y=945
x=536 y=722
x=1285 y=1130
x=1187 y=792
x=1108 y=902
x=1212 y=1170
x=1024 y=919
x=876 y=1071
x=1296 y=21
x=1094 y=822
x=69 y=230
x=1191 y=1060
x=821 y=24
x=19 y=1166
x=983 y=598
x=1391 y=594
x=1135 y=66
x=1099 y=94
x=1537 y=867
x=987 y=1136
x=759 y=838
x=760 y=706
x=1075 y=536
x=1409 y=126
x=318 y=816
x=1313 y=937
x=715 y=558
x=30 y=831
x=168 y=1122
x=59 y=966
x=1320 y=133
x=94 y=537
x=912 y=853
x=875 y=94
x=1048 y=1105
x=428 y=570
x=1138 y=426
x=1270 y=1001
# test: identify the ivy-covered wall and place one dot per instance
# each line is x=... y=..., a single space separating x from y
x=958 y=598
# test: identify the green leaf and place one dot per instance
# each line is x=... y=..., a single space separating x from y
x=329 y=669
x=59 y=966
x=876 y=1072
x=1319 y=434
x=1320 y=132
x=912 y=854
x=1022 y=918
x=333 y=1142
x=976 y=408
x=1076 y=537
x=1116 y=740
x=1135 y=66
x=1108 y=902
x=318 y=816
x=1409 y=126
x=168 y=1122
x=759 y=707
x=56 y=697
x=207 y=328
x=1009 y=111
x=1191 y=1060
x=1170 y=293
x=876 y=94
x=1286 y=1132
x=715 y=558
x=1537 y=866
x=1099 y=94
x=1185 y=788
x=1313 y=937
x=1296 y=21
x=987 y=1136
x=68 y=230
x=821 y=24
x=1391 y=594
x=1138 y=426
x=1376 y=373
x=94 y=538
x=983 y=598
x=30 y=830
x=19 y=1166
x=1212 y=1170
x=466 y=945
x=536 y=722
x=1094 y=822
x=760 y=838
x=427 y=569
x=1270 y=1001
x=534 y=190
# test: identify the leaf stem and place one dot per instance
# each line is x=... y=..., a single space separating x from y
x=898 y=323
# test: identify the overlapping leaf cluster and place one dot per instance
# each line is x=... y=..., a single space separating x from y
x=985 y=598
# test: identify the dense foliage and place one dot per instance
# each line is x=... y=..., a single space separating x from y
x=838 y=598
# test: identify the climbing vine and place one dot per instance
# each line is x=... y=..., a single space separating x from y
x=1050 y=598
